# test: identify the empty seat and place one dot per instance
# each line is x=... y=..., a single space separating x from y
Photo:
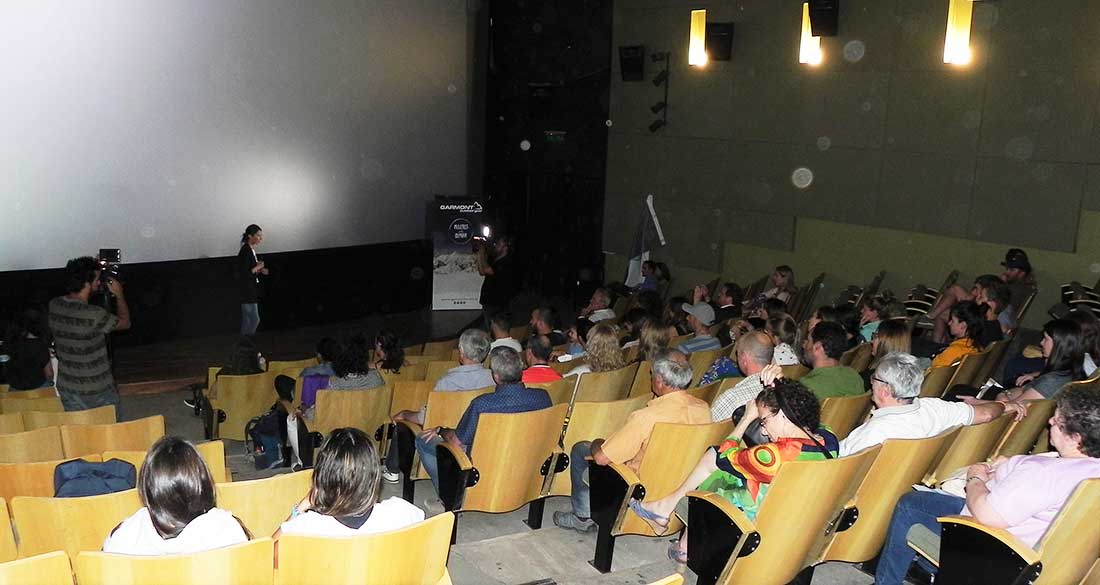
x=69 y=524
x=45 y=569
x=135 y=435
x=28 y=446
x=101 y=415
x=263 y=504
x=248 y=563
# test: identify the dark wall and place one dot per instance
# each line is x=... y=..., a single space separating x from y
x=190 y=298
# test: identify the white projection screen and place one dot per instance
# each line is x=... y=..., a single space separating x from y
x=164 y=127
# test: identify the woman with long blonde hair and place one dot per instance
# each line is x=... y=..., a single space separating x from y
x=603 y=351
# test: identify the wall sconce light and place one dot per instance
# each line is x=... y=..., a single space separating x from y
x=956 y=45
x=657 y=125
x=660 y=78
x=809 y=48
x=697 y=39
x=657 y=107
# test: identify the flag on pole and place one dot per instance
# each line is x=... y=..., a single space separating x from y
x=648 y=231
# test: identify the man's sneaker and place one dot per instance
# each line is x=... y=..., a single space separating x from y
x=433 y=507
x=570 y=520
x=190 y=402
x=391 y=476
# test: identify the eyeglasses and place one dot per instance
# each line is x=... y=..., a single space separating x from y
x=879 y=380
x=764 y=419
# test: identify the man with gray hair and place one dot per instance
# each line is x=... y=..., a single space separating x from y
x=900 y=414
x=470 y=374
x=671 y=374
x=754 y=352
x=510 y=396
x=599 y=306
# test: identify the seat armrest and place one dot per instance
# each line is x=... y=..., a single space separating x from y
x=736 y=515
x=1009 y=540
x=456 y=473
x=968 y=548
x=718 y=534
x=612 y=487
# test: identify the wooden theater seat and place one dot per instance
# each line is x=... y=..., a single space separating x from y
x=7 y=538
x=445 y=409
x=841 y=414
x=672 y=452
x=795 y=372
x=241 y=398
x=701 y=361
x=936 y=380
x=706 y=393
x=135 y=435
x=212 y=452
x=69 y=524
x=29 y=446
x=47 y=404
x=643 y=380
x=279 y=366
x=367 y=410
x=605 y=386
x=248 y=563
x=415 y=555
x=45 y=569
x=560 y=391
x=969 y=367
x=263 y=504
x=973 y=444
x=442 y=349
x=31 y=479
x=724 y=546
x=31 y=394
x=1022 y=434
x=11 y=423
x=409 y=395
x=408 y=373
x=509 y=465
x=434 y=370
x=102 y=415
x=589 y=421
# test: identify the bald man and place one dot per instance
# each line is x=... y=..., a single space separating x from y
x=754 y=351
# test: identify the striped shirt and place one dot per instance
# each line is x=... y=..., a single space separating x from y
x=80 y=338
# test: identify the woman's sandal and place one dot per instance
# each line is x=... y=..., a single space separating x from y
x=658 y=523
x=675 y=554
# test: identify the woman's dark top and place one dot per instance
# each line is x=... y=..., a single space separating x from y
x=26 y=370
x=248 y=283
x=498 y=288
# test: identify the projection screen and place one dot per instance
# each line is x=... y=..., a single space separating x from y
x=164 y=127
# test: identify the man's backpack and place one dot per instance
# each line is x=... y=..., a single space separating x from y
x=266 y=436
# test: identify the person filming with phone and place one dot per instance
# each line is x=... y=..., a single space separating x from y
x=501 y=283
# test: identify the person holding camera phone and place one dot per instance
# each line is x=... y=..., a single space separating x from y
x=249 y=269
x=80 y=330
x=499 y=270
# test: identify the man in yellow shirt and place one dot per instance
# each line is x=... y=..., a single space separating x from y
x=671 y=375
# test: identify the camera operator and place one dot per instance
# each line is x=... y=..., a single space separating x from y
x=80 y=330
x=501 y=283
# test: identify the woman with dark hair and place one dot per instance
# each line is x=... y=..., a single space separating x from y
x=965 y=325
x=790 y=416
x=388 y=353
x=343 y=497
x=783 y=330
x=877 y=309
x=249 y=269
x=783 y=288
x=328 y=349
x=1090 y=336
x=675 y=318
x=244 y=360
x=1064 y=350
x=179 y=514
x=28 y=347
x=352 y=369
x=633 y=322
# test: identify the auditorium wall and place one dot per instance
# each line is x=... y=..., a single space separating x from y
x=918 y=167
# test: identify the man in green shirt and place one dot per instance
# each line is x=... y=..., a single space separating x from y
x=824 y=346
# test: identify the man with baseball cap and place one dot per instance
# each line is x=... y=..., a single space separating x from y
x=700 y=318
x=1017 y=275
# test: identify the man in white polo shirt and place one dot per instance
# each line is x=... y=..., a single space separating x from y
x=899 y=414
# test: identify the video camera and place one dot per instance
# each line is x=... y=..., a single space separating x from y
x=110 y=262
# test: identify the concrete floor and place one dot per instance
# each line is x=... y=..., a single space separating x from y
x=495 y=549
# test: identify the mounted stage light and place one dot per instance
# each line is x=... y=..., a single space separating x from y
x=956 y=45
x=660 y=78
x=697 y=39
x=809 y=48
x=657 y=125
x=657 y=107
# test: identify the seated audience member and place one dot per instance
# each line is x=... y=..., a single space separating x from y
x=328 y=349
x=823 y=348
x=633 y=321
x=179 y=513
x=727 y=300
x=1021 y=285
x=1064 y=352
x=599 y=306
x=652 y=303
x=966 y=324
x=28 y=347
x=649 y=276
x=352 y=371
x=654 y=338
x=900 y=414
x=545 y=321
x=538 y=354
x=510 y=396
x=782 y=328
x=892 y=335
x=1090 y=335
x=990 y=290
x=344 y=491
x=790 y=415
x=675 y=318
x=769 y=308
x=576 y=337
x=502 y=333
x=754 y=351
x=244 y=361
x=1021 y=494
x=470 y=374
x=700 y=317
x=670 y=375
x=389 y=356
x=604 y=354
x=783 y=288
x=877 y=309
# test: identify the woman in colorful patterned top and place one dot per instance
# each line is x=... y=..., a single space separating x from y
x=789 y=414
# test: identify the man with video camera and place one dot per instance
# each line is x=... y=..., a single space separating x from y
x=80 y=330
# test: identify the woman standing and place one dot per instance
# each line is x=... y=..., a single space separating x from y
x=249 y=269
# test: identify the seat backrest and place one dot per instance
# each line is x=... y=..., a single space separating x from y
x=7 y=538
x=508 y=452
x=434 y=370
x=102 y=415
x=593 y=420
x=212 y=452
x=936 y=380
x=1022 y=434
x=564 y=368
x=416 y=555
x=606 y=386
x=440 y=349
x=969 y=367
x=278 y=366
x=791 y=523
x=409 y=395
x=31 y=479
x=847 y=357
x=844 y=413
x=135 y=435
x=1070 y=545
x=701 y=361
x=900 y=464
x=680 y=339
x=996 y=351
x=362 y=409
x=242 y=398
x=248 y=563
x=28 y=446
x=795 y=372
x=862 y=358
x=973 y=444
x=46 y=569
x=12 y=423
x=48 y=404
x=70 y=524
x=705 y=393
x=445 y=409
x=643 y=380
x=560 y=391
x=263 y=504
x=407 y=373
x=28 y=394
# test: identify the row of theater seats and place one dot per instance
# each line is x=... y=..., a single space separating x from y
x=71 y=440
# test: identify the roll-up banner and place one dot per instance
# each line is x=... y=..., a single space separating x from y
x=455 y=222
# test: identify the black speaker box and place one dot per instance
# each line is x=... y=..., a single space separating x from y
x=824 y=17
x=632 y=62
x=719 y=41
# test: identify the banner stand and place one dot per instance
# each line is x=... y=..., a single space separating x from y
x=454 y=222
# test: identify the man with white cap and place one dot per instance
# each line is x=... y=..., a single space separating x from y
x=700 y=318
